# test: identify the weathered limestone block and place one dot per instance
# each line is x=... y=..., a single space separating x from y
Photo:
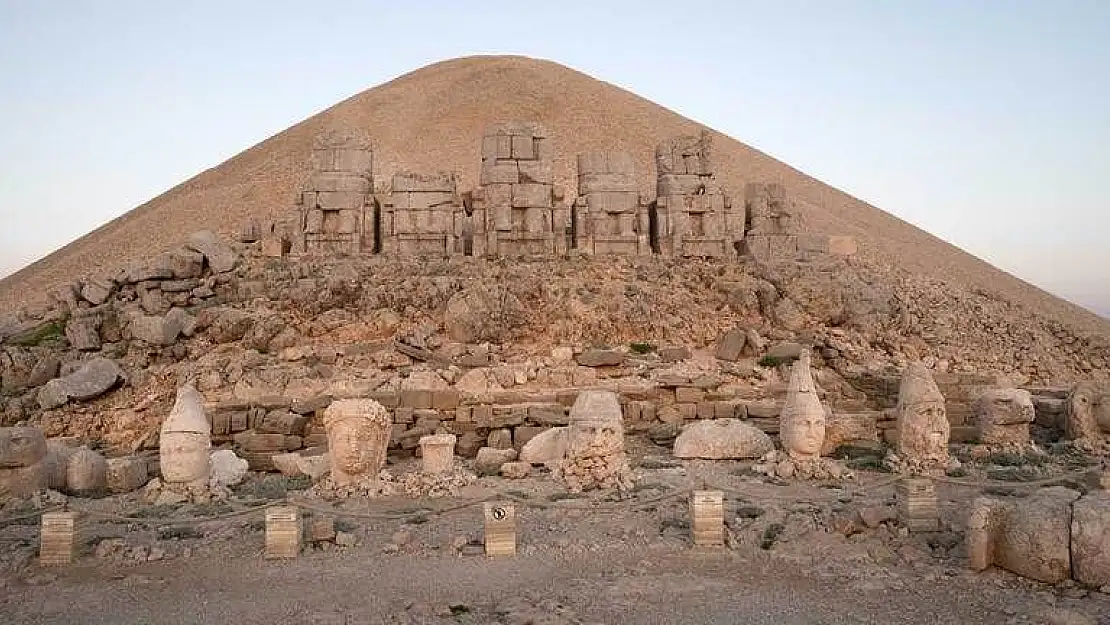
x=513 y=211
x=220 y=256
x=127 y=474
x=770 y=210
x=802 y=419
x=730 y=346
x=185 y=440
x=692 y=216
x=358 y=436
x=161 y=330
x=722 y=439
x=595 y=456
x=608 y=216
x=437 y=453
x=1090 y=539
x=923 y=428
x=842 y=428
x=225 y=469
x=23 y=468
x=1030 y=536
x=1003 y=416
x=601 y=358
x=83 y=332
x=547 y=447
x=56 y=464
x=1087 y=416
x=86 y=473
x=94 y=378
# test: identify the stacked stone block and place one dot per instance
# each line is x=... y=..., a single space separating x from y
x=334 y=202
x=774 y=231
x=609 y=216
x=692 y=215
x=422 y=217
x=514 y=208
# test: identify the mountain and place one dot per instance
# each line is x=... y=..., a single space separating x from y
x=433 y=118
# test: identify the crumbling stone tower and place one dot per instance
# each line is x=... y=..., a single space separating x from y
x=514 y=208
x=334 y=202
x=774 y=230
x=422 y=215
x=692 y=216
x=608 y=215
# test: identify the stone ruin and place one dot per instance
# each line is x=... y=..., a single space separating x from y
x=609 y=216
x=518 y=210
x=337 y=198
x=594 y=454
x=514 y=207
x=692 y=214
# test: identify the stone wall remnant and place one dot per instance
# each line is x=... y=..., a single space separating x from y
x=335 y=201
x=692 y=215
x=1030 y=536
x=514 y=208
x=609 y=217
x=423 y=216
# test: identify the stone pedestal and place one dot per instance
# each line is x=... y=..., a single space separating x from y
x=56 y=538
x=283 y=533
x=917 y=505
x=437 y=453
x=707 y=518
x=500 y=529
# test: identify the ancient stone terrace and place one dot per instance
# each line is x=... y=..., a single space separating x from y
x=518 y=210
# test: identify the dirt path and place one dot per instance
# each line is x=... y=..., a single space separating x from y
x=614 y=585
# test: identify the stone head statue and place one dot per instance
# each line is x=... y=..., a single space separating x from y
x=21 y=447
x=358 y=436
x=22 y=462
x=802 y=420
x=1088 y=413
x=596 y=428
x=923 y=427
x=185 y=439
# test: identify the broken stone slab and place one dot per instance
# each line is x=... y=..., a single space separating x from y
x=83 y=332
x=489 y=460
x=1029 y=536
x=547 y=447
x=731 y=344
x=785 y=351
x=220 y=256
x=601 y=358
x=45 y=369
x=722 y=439
x=127 y=474
x=159 y=330
x=1090 y=539
x=93 y=379
x=97 y=291
x=225 y=468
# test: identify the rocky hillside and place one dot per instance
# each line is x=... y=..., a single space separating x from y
x=433 y=119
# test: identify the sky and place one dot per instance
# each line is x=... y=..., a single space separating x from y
x=985 y=122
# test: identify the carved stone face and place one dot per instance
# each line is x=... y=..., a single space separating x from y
x=347 y=442
x=184 y=456
x=925 y=430
x=804 y=435
x=21 y=447
x=1088 y=412
x=589 y=439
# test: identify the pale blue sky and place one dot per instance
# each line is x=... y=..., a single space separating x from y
x=985 y=122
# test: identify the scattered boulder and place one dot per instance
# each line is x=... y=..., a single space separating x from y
x=546 y=447
x=86 y=473
x=516 y=470
x=1029 y=536
x=483 y=314
x=731 y=344
x=489 y=460
x=83 y=332
x=127 y=474
x=161 y=330
x=229 y=325
x=93 y=379
x=1090 y=539
x=225 y=468
x=45 y=369
x=722 y=439
x=874 y=516
x=785 y=351
x=596 y=357
x=220 y=256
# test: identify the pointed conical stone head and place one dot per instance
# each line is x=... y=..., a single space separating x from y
x=802 y=420
x=185 y=440
x=923 y=427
